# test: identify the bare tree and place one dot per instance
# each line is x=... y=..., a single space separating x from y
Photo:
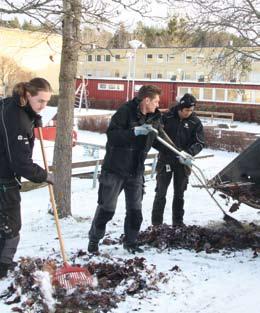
x=11 y=73
x=66 y=17
x=241 y=19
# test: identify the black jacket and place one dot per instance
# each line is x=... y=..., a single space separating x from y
x=17 y=140
x=125 y=152
x=186 y=134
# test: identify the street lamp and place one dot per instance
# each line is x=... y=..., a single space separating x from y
x=129 y=55
x=135 y=44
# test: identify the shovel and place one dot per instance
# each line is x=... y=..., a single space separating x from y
x=202 y=179
x=67 y=276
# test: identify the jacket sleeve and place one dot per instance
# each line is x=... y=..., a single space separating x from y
x=198 y=142
x=119 y=132
x=161 y=133
x=19 y=151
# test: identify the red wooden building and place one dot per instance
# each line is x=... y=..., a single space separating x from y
x=110 y=93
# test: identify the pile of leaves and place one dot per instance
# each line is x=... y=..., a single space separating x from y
x=115 y=279
x=201 y=238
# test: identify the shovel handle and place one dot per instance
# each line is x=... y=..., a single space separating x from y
x=52 y=198
x=202 y=180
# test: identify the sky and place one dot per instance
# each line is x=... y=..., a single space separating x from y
x=158 y=13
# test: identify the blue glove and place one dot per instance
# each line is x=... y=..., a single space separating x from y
x=186 y=159
x=144 y=130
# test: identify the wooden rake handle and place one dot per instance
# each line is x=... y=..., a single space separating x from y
x=53 y=203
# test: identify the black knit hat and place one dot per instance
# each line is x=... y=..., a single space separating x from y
x=187 y=101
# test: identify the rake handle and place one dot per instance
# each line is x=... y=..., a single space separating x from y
x=52 y=198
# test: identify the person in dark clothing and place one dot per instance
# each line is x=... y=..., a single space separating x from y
x=19 y=115
x=185 y=130
x=129 y=138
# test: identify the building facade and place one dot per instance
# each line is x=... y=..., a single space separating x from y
x=186 y=64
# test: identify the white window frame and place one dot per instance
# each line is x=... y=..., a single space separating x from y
x=160 y=60
x=148 y=60
x=170 y=57
x=111 y=87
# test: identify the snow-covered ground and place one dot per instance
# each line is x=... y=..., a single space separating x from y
x=209 y=283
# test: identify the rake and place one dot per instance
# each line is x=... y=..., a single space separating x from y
x=201 y=178
x=66 y=276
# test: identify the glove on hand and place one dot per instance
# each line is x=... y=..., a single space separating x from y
x=38 y=121
x=142 y=130
x=186 y=159
x=50 y=179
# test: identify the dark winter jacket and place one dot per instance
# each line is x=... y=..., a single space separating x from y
x=17 y=140
x=125 y=152
x=186 y=134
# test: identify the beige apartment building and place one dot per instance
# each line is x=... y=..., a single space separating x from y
x=35 y=52
x=161 y=63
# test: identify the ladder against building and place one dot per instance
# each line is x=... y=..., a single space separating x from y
x=81 y=95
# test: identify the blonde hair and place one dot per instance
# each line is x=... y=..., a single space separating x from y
x=33 y=87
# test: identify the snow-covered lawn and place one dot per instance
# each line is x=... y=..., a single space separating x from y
x=210 y=283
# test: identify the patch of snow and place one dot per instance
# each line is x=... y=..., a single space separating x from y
x=46 y=288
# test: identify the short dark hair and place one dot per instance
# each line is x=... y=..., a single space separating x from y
x=149 y=91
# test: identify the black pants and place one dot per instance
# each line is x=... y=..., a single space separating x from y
x=110 y=186
x=10 y=219
x=164 y=175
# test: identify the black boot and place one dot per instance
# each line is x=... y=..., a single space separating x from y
x=132 y=248
x=93 y=246
x=157 y=216
x=178 y=223
x=4 y=269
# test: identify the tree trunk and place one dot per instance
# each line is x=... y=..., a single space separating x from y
x=68 y=69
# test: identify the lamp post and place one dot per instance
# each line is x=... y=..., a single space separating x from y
x=135 y=44
x=129 y=55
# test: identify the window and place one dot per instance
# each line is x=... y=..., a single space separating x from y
x=182 y=91
x=171 y=75
x=117 y=74
x=200 y=59
x=159 y=58
x=186 y=76
x=89 y=58
x=108 y=58
x=257 y=96
x=112 y=87
x=170 y=58
x=117 y=57
x=89 y=73
x=137 y=87
x=159 y=75
x=149 y=57
x=200 y=76
x=246 y=95
x=102 y=86
x=219 y=94
x=196 y=92
x=188 y=59
x=148 y=75
x=98 y=58
x=232 y=95
x=208 y=94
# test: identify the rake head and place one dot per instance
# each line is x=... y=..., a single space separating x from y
x=69 y=277
x=231 y=221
